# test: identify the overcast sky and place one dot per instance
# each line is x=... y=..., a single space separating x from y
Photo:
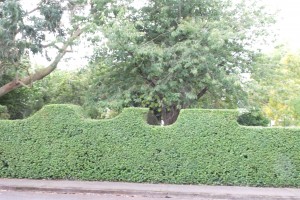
x=288 y=25
x=288 y=21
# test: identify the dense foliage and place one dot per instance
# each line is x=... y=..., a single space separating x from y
x=253 y=118
x=165 y=55
x=276 y=86
x=22 y=102
x=3 y=112
x=50 y=29
x=168 y=54
x=59 y=87
x=202 y=147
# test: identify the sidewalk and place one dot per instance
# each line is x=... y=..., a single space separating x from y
x=150 y=190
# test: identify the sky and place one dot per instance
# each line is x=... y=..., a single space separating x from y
x=288 y=23
x=287 y=29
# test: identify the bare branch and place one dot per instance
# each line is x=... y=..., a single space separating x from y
x=40 y=74
x=51 y=44
x=23 y=84
x=32 y=11
x=202 y=92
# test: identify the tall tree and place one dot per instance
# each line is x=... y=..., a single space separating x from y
x=173 y=52
x=51 y=26
x=276 y=80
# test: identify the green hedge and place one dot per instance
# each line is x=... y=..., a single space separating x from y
x=202 y=147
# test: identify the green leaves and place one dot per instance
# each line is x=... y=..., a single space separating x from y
x=202 y=147
x=173 y=49
x=253 y=118
x=216 y=39
x=276 y=82
x=3 y=112
x=52 y=13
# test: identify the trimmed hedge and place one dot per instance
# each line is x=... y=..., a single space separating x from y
x=202 y=147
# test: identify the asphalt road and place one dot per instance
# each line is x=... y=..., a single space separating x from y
x=13 y=195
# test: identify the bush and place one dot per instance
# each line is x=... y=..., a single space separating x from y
x=253 y=118
x=3 y=112
x=202 y=147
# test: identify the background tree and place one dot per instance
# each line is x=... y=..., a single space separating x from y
x=41 y=30
x=172 y=53
x=276 y=86
x=3 y=112
x=60 y=87
x=22 y=102
x=64 y=87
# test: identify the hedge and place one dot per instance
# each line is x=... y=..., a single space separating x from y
x=202 y=147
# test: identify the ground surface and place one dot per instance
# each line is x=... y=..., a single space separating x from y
x=25 y=189
x=13 y=195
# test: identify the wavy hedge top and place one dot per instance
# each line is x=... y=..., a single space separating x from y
x=202 y=147
x=66 y=111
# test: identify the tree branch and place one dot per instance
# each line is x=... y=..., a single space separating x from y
x=32 y=11
x=202 y=92
x=53 y=44
x=151 y=82
x=40 y=74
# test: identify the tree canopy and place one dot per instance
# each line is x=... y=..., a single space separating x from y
x=51 y=26
x=276 y=86
x=166 y=55
x=169 y=54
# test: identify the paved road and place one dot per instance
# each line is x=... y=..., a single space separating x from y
x=13 y=195
x=10 y=189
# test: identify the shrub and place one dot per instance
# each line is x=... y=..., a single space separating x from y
x=202 y=147
x=3 y=112
x=253 y=118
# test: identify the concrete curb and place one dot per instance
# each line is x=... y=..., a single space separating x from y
x=150 y=190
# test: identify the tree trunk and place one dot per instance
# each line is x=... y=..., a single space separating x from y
x=170 y=115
